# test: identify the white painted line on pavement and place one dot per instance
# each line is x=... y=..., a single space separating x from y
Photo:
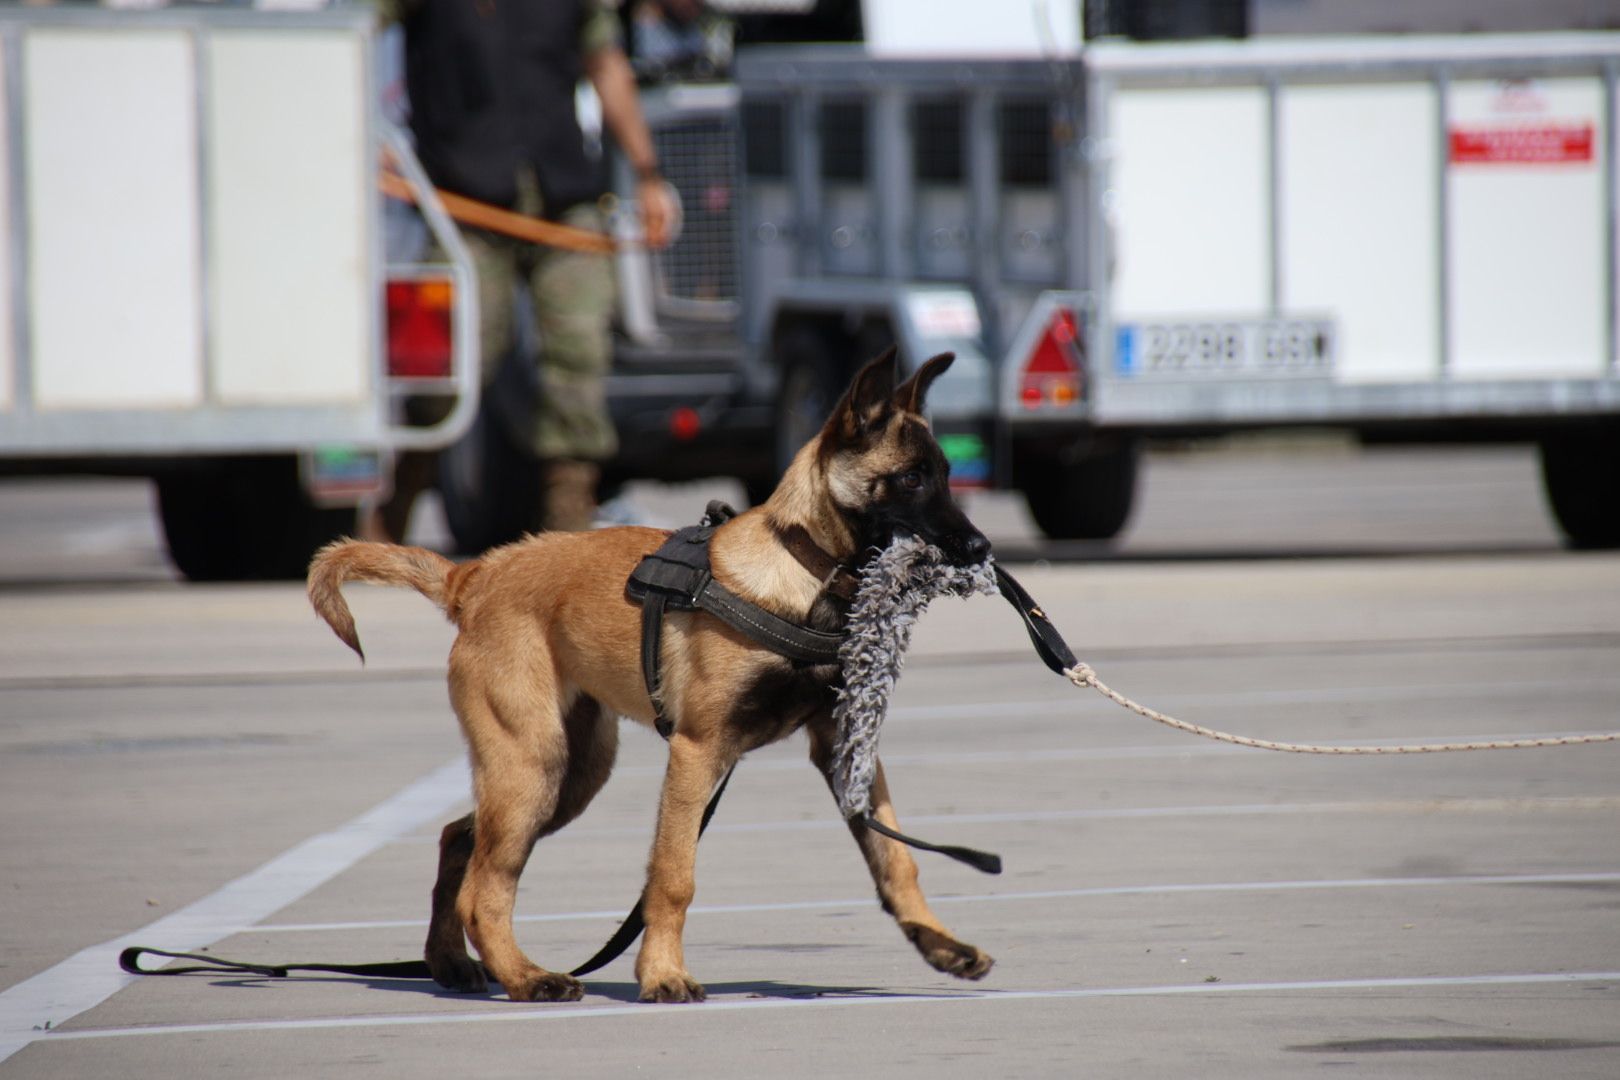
x=92 y=975
x=529 y=1013
x=1576 y=878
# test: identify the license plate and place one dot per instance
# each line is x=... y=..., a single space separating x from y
x=343 y=476
x=1256 y=349
x=969 y=459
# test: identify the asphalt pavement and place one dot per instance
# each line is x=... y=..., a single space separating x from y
x=207 y=767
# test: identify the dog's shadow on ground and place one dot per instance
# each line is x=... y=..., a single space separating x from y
x=621 y=992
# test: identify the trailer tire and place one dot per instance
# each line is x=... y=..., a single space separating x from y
x=811 y=384
x=489 y=486
x=244 y=519
x=1580 y=473
x=1085 y=497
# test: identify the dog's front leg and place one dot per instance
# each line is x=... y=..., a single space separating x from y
x=894 y=872
x=695 y=766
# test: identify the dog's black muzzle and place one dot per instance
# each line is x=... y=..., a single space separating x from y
x=962 y=546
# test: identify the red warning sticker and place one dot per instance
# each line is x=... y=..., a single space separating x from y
x=1523 y=144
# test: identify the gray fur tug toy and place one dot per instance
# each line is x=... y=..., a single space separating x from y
x=895 y=587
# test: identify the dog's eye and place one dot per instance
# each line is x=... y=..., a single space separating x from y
x=911 y=480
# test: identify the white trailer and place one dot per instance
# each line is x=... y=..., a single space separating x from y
x=1404 y=236
x=195 y=286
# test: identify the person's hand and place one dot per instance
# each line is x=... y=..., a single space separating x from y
x=658 y=211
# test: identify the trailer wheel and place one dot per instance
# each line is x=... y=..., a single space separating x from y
x=489 y=486
x=489 y=483
x=244 y=519
x=1082 y=498
x=1580 y=473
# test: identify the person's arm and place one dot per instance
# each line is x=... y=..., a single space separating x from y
x=610 y=73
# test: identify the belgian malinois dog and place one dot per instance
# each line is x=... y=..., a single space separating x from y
x=547 y=660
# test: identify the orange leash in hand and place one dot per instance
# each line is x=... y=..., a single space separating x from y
x=496 y=219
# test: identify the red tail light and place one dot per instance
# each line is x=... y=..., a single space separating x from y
x=685 y=423
x=419 y=328
x=1052 y=373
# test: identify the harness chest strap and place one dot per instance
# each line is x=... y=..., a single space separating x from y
x=677 y=576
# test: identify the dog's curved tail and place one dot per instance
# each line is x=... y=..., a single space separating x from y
x=382 y=564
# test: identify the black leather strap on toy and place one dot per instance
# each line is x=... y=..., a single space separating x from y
x=986 y=862
x=1049 y=644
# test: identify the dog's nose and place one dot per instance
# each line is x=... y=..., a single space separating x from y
x=977 y=547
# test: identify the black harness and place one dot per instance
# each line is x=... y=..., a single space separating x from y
x=677 y=577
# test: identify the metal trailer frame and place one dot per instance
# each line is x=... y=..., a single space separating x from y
x=800 y=79
x=211 y=428
x=1271 y=64
x=665 y=108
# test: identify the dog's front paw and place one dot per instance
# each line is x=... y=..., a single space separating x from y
x=676 y=989
x=460 y=973
x=945 y=953
x=541 y=985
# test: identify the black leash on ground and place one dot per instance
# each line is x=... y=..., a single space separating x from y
x=623 y=937
x=1049 y=644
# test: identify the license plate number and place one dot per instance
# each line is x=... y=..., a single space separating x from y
x=1262 y=349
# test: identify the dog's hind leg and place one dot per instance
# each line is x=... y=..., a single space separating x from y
x=894 y=872
x=518 y=744
x=593 y=741
x=446 y=948
x=695 y=767
x=593 y=744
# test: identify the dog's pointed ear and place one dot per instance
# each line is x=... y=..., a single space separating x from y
x=909 y=395
x=867 y=401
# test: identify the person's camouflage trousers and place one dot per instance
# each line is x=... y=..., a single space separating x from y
x=572 y=295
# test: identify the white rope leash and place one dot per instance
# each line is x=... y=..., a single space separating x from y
x=1082 y=676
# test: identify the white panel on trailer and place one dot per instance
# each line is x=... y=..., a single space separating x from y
x=1189 y=174
x=1527 y=228
x=288 y=165
x=1359 y=178
x=110 y=164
